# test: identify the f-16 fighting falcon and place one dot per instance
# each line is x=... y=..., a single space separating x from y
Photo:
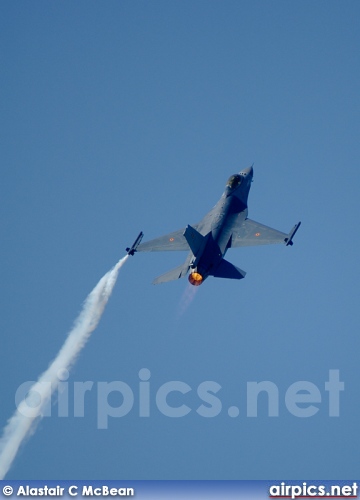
x=226 y=226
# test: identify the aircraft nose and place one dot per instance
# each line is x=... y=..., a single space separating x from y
x=248 y=171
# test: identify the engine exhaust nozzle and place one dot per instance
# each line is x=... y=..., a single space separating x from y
x=195 y=279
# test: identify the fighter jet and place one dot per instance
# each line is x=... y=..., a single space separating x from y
x=226 y=226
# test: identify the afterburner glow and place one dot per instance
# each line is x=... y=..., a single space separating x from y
x=196 y=279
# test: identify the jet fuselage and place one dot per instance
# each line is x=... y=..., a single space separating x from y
x=230 y=210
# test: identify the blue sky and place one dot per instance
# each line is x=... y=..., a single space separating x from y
x=126 y=116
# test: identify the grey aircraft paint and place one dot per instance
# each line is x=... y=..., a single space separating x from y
x=226 y=226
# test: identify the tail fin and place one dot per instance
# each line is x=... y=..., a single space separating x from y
x=196 y=241
x=228 y=270
x=174 y=274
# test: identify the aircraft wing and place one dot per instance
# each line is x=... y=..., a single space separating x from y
x=170 y=242
x=250 y=233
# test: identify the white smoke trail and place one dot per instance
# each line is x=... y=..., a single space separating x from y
x=186 y=299
x=29 y=411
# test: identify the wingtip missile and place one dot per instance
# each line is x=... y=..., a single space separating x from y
x=289 y=239
x=131 y=250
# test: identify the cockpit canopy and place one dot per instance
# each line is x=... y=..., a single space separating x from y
x=234 y=181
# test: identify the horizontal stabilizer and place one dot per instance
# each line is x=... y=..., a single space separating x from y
x=174 y=274
x=228 y=270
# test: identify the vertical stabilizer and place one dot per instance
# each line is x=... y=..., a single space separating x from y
x=196 y=241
